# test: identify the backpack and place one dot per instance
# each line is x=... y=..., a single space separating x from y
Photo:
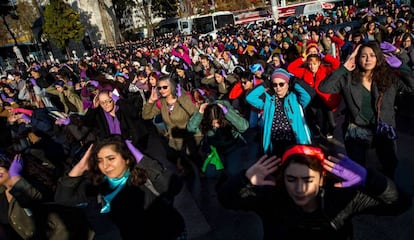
x=165 y=181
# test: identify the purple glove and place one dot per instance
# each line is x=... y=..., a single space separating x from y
x=224 y=109
x=9 y=100
x=33 y=81
x=63 y=121
x=137 y=153
x=178 y=90
x=26 y=118
x=351 y=172
x=16 y=167
x=94 y=83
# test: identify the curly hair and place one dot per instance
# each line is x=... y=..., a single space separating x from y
x=382 y=74
x=138 y=176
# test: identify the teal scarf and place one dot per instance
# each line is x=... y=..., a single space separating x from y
x=116 y=184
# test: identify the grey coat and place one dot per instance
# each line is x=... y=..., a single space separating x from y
x=341 y=82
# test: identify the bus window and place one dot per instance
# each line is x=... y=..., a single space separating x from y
x=223 y=20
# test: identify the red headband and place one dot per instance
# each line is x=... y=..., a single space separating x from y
x=305 y=150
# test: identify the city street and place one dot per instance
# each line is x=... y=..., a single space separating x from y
x=209 y=221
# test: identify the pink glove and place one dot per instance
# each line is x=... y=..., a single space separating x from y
x=137 y=153
x=16 y=167
x=22 y=110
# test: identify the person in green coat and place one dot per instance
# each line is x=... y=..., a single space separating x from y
x=222 y=127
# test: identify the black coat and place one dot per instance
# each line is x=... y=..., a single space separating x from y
x=131 y=124
x=136 y=213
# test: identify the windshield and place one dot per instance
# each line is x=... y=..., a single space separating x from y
x=203 y=24
x=223 y=20
x=168 y=28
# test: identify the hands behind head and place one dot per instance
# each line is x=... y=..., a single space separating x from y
x=259 y=173
x=350 y=172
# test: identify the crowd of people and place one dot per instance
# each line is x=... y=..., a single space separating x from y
x=84 y=144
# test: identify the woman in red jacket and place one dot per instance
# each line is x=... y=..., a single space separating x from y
x=313 y=70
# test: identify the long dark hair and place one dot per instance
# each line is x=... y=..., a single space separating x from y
x=138 y=176
x=212 y=112
x=382 y=74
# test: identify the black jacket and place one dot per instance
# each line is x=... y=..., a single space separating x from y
x=282 y=219
x=131 y=124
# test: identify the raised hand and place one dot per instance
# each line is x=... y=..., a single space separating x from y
x=16 y=166
x=82 y=165
x=223 y=108
x=154 y=95
x=62 y=121
x=259 y=172
x=351 y=173
x=202 y=107
x=96 y=101
x=138 y=155
x=350 y=63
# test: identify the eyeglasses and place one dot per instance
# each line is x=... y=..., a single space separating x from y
x=243 y=82
x=162 y=87
x=330 y=33
x=106 y=102
x=281 y=84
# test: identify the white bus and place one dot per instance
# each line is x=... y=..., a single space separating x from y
x=209 y=24
x=175 y=26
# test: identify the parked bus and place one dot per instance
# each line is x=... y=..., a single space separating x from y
x=293 y=8
x=251 y=15
x=209 y=24
x=175 y=25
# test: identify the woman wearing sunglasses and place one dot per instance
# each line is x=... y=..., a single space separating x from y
x=175 y=109
x=283 y=104
x=307 y=195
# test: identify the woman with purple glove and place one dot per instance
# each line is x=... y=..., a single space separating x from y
x=369 y=88
x=304 y=195
x=22 y=212
x=114 y=183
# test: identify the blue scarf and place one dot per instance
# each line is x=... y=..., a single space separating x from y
x=116 y=184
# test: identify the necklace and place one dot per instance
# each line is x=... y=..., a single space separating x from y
x=170 y=107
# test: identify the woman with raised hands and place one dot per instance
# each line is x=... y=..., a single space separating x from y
x=123 y=193
x=369 y=88
x=305 y=194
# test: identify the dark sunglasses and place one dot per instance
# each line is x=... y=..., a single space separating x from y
x=330 y=32
x=282 y=84
x=243 y=82
x=162 y=87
